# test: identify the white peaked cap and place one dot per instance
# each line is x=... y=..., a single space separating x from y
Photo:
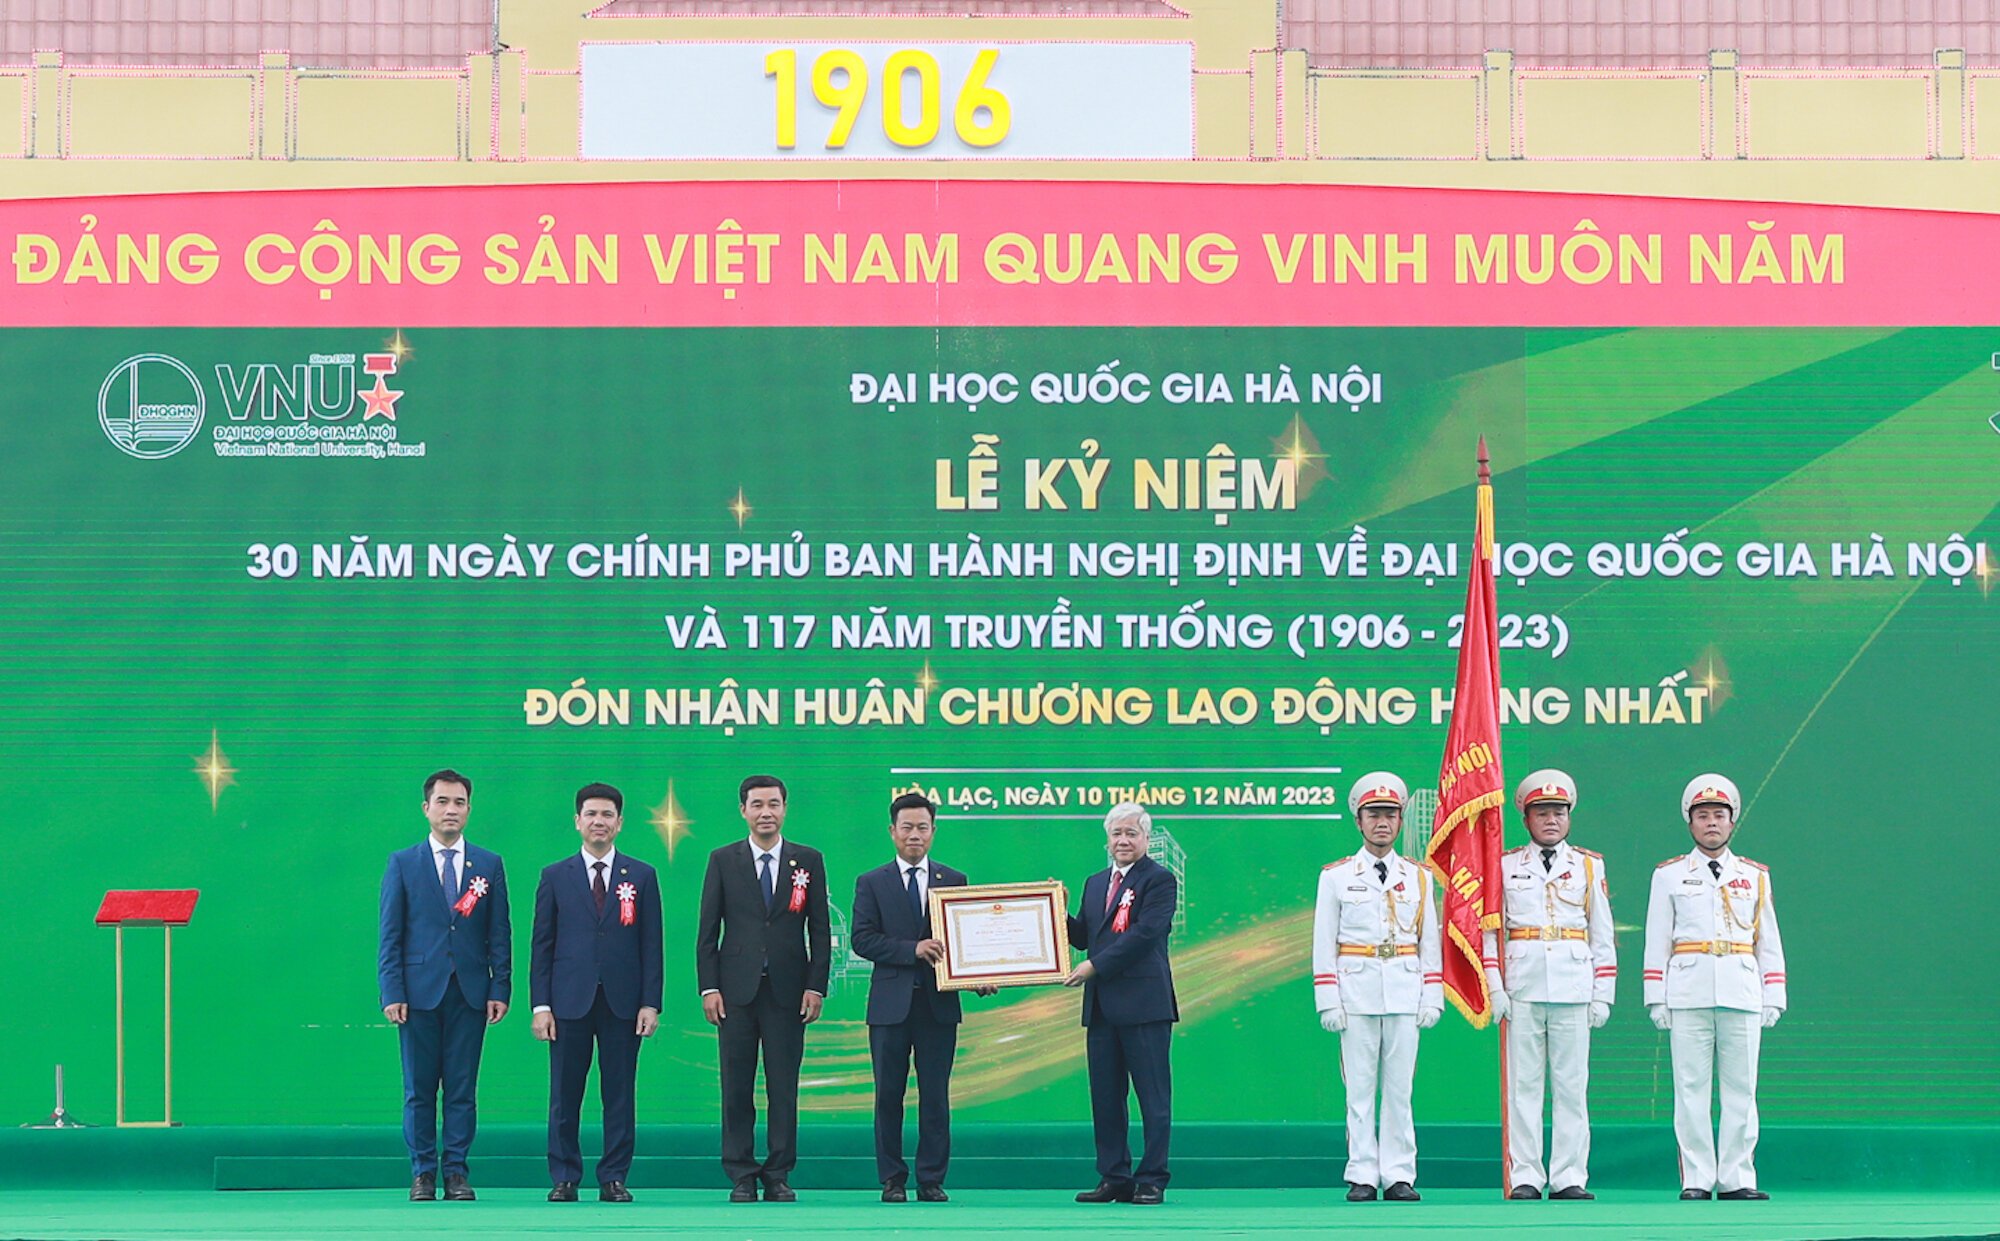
x=1709 y=787
x=1546 y=785
x=1377 y=788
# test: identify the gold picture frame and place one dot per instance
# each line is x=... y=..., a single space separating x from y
x=1001 y=935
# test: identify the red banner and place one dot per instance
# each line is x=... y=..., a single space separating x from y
x=1464 y=850
x=942 y=253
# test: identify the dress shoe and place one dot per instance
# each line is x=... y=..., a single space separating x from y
x=1743 y=1195
x=1525 y=1193
x=565 y=1191
x=1108 y=1191
x=778 y=1191
x=932 y=1193
x=613 y=1191
x=895 y=1193
x=1572 y=1193
x=1401 y=1192
x=456 y=1189
x=1695 y=1195
x=1357 y=1192
x=424 y=1187
x=744 y=1190
x=1148 y=1195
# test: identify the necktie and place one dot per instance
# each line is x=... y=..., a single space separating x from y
x=449 y=876
x=1715 y=868
x=767 y=880
x=1382 y=871
x=597 y=886
x=1111 y=894
x=1548 y=860
x=916 y=897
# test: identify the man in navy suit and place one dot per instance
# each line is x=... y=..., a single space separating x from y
x=595 y=978
x=1128 y=1006
x=445 y=964
x=761 y=961
x=906 y=1011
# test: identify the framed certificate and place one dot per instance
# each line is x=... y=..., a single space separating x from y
x=1001 y=935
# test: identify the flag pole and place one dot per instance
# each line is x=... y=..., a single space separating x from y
x=1499 y=939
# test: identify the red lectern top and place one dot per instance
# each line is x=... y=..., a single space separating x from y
x=167 y=907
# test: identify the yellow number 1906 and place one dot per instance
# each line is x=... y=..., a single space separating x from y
x=981 y=116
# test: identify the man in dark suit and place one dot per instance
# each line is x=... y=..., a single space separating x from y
x=595 y=980
x=761 y=961
x=1128 y=1006
x=445 y=964
x=906 y=1011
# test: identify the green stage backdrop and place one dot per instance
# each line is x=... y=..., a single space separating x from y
x=209 y=682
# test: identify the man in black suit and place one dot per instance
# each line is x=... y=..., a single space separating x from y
x=760 y=955
x=906 y=1011
x=596 y=978
x=1128 y=1006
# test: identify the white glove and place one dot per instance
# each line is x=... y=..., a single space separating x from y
x=1333 y=1020
x=1771 y=1016
x=1501 y=1004
x=1661 y=1017
x=1428 y=1017
x=1600 y=1012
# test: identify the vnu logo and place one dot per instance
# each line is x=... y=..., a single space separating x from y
x=150 y=406
x=321 y=387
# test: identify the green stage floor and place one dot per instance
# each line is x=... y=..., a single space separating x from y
x=381 y=1216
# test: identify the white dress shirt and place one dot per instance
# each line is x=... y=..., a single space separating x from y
x=923 y=866
x=777 y=852
x=438 y=849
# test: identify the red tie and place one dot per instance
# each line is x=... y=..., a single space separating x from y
x=1111 y=896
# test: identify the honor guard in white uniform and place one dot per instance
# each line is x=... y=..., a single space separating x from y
x=1377 y=979
x=1715 y=981
x=1561 y=973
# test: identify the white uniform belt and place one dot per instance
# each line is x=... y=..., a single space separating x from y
x=1546 y=933
x=1712 y=948
x=1381 y=951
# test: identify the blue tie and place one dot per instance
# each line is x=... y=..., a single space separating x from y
x=768 y=880
x=450 y=876
x=916 y=897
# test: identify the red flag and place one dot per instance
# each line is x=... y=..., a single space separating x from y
x=1464 y=851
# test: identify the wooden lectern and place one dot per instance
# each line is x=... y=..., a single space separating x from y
x=166 y=910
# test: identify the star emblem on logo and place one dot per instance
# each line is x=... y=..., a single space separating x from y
x=380 y=401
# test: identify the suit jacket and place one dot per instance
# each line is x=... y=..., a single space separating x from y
x=886 y=932
x=1134 y=982
x=422 y=943
x=1689 y=904
x=737 y=941
x=576 y=949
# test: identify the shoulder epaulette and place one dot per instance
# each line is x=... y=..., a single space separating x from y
x=1670 y=861
x=1589 y=853
x=1331 y=865
x=1518 y=849
x=1747 y=862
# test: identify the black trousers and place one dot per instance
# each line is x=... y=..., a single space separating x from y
x=1130 y=1057
x=933 y=1043
x=441 y=1049
x=616 y=1041
x=777 y=1031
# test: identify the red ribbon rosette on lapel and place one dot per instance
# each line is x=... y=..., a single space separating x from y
x=801 y=880
x=628 y=904
x=1123 y=918
x=470 y=899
